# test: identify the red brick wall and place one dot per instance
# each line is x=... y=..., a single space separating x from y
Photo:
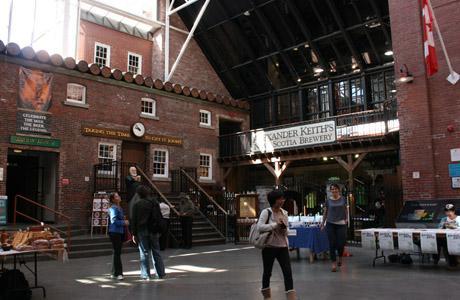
x=120 y=44
x=112 y=104
x=429 y=104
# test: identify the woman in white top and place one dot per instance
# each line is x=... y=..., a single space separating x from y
x=450 y=221
x=165 y=213
x=275 y=220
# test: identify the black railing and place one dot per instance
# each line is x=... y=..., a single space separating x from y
x=110 y=177
x=184 y=180
x=349 y=126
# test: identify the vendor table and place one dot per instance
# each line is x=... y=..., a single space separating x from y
x=34 y=253
x=312 y=238
x=416 y=233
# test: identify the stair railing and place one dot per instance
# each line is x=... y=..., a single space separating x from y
x=29 y=201
x=175 y=230
x=208 y=207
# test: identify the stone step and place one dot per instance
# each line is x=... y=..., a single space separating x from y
x=208 y=241
x=98 y=252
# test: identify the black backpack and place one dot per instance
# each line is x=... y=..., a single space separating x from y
x=157 y=222
x=13 y=285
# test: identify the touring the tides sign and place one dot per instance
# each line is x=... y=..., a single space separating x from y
x=293 y=137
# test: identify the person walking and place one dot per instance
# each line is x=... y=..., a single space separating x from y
x=275 y=220
x=165 y=212
x=335 y=220
x=117 y=225
x=186 y=210
x=146 y=228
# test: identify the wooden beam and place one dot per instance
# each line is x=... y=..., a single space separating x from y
x=358 y=160
x=343 y=163
x=227 y=172
x=270 y=168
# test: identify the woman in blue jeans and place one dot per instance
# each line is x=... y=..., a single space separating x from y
x=117 y=224
x=335 y=220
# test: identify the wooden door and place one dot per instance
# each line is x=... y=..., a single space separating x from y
x=134 y=153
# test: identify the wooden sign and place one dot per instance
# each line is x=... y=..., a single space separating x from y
x=247 y=206
x=127 y=135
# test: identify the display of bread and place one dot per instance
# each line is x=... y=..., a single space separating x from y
x=37 y=240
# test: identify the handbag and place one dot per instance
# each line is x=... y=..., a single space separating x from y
x=127 y=236
x=259 y=239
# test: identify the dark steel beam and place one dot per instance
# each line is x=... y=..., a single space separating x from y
x=346 y=35
x=378 y=13
x=366 y=32
x=246 y=45
x=307 y=34
x=269 y=30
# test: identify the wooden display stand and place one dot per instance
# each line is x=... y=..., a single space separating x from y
x=100 y=213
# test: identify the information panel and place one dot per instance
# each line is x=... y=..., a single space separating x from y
x=3 y=209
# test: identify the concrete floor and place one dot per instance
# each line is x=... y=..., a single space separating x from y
x=234 y=272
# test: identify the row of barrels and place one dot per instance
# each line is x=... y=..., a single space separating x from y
x=42 y=56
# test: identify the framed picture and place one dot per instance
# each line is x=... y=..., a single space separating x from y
x=456 y=182
x=247 y=206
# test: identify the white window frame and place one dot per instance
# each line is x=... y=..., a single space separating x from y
x=166 y=175
x=139 y=68
x=154 y=107
x=209 y=177
x=207 y=112
x=83 y=100
x=106 y=172
x=108 y=52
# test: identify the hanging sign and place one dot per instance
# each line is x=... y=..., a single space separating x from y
x=406 y=241
x=3 y=209
x=386 y=240
x=453 y=241
x=292 y=137
x=428 y=242
x=368 y=239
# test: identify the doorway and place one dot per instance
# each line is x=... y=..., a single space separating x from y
x=31 y=174
x=228 y=126
x=134 y=153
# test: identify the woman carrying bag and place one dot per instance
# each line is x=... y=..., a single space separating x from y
x=117 y=225
x=275 y=221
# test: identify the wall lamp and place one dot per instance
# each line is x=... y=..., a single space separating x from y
x=405 y=75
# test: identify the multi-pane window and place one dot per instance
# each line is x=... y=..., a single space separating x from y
x=160 y=163
x=148 y=107
x=205 y=169
x=107 y=154
x=102 y=55
x=134 y=63
x=342 y=96
x=261 y=113
x=205 y=118
x=288 y=108
x=324 y=101
x=76 y=93
x=382 y=88
x=312 y=104
x=357 y=92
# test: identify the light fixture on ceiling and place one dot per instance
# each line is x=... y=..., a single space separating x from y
x=366 y=57
x=373 y=24
x=405 y=75
x=277 y=64
x=325 y=158
x=17 y=151
x=356 y=155
x=318 y=70
x=306 y=45
x=299 y=79
x=388 y=53
x=247 y=13
x=295 y=49
x=356 y=70
x=393 y=91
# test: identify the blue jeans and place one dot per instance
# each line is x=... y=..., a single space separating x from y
x=149 y=247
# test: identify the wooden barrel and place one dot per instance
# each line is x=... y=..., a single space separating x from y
x=28 y=52
x=43 y=56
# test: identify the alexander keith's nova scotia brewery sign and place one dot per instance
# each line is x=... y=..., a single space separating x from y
x=293 y=137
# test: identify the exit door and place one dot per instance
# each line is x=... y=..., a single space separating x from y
x=134 y=153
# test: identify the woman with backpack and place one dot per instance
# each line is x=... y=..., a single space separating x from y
x=117 y=225
x=275 y=220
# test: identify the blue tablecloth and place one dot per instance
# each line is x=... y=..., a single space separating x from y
x=312 y=238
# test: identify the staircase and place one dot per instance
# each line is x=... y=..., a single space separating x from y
x=203 y=233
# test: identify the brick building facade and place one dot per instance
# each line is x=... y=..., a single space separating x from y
x=114 y=105
x=428 y=105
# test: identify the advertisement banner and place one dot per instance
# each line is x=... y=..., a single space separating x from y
x=292 y=137
x=3 y=210
x=453 y=242
x=368 y=239
x=386 y=240
x=34 y=90
x=428 y=242
x=406 y=241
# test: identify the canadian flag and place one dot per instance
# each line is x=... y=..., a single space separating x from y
x=431 y=59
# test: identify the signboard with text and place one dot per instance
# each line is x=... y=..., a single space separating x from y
x=293 y=137
x=3 y=209
x=32 y=122
x=35 y=141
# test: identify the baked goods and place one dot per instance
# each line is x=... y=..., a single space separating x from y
x=38 y=240
x=57 y=243
x=41 y=244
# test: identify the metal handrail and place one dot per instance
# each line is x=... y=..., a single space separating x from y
x=16 y=212
x=203 y=191
x=152 y=185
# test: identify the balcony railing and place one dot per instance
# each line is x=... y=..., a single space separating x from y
x=370 y=123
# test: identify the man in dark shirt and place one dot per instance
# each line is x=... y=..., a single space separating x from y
x=132 y=181
x=186 y=210
x=145 y=213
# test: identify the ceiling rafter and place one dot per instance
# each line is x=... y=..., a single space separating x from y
x=366 y=32
x=345 y=33
x=378 y=13
x=270 y=32
x=307 y=34
x=245 y=45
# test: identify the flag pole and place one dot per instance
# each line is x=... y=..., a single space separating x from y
x=453 y=77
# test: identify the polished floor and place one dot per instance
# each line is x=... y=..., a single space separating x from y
x=234 y=272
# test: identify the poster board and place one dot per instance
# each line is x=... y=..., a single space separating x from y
x=453 y=242
x=3 y=209
x=386 y=240
x=368 y=239
x=428 y=242
x=406 y=241
x=247 y=206
x=100 y=212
